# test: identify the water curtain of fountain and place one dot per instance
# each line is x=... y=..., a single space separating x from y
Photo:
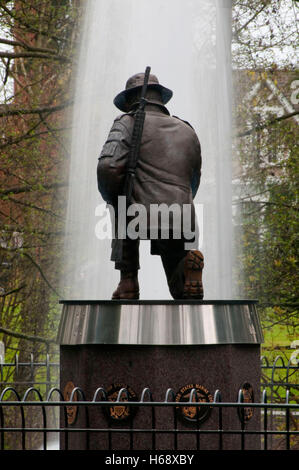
x=187 y=44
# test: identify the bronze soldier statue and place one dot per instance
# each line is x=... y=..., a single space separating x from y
x=167 y=171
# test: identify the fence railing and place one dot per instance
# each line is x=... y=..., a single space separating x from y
x=39 y=417
x=228 y=424
x=42 y=372
x=282 y=374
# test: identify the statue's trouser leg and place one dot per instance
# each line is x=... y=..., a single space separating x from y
x=127 y=262
x=172 y=254
x=125 y=253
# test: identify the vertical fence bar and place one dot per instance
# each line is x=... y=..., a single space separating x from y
x=274 y=367
x=217 y=399
x=287 y=422
x=17 y=364
x=78 y=391
x=153 y=426
x=66 y=434
x=61 y=398
x=66 y=423
x=146 y=391
x=242 y=420
x=264 y=400
x=175 y=417
x=175 y=423
x=48 y=372
x=109 y=439
x=197 y=434
x=124 y=391
x=2 y=360
x=288 y=373
x=32 y=368
x=23 y=429
x=104 y=398
x=87 y=434
x=2 y=428
x=131 y=432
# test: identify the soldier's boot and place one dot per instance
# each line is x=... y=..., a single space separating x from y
x=128 y=287
x=193 y=266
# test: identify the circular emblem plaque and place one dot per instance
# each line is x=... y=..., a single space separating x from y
x=120 y=413
x=71 y=411
x=196 y=414
x=245 y=414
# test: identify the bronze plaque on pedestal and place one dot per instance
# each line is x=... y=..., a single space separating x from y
x=196 y=414
x=71 y=411
x=118 y=412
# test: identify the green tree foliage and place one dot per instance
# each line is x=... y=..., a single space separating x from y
x=38 y=43
x=266 y=162
x=266 y=86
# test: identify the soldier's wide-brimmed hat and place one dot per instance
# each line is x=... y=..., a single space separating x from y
x=135 y=82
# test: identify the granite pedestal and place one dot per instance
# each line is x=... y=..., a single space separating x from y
x=161 y=345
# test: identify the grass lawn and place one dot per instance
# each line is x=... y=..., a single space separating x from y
x=278 y=340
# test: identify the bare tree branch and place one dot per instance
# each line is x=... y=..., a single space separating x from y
x=27 y=46
x=28 y=136
x=6 y=72
x=34 y=55
x=236 y=33
x=33 y=206
x=13 y=291
x=41 y=110
x=38 y=339
x=41 y=273
x=26 y=189
x=267 y=123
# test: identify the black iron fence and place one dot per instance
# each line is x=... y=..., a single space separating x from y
x=282 y=373
x=230 y=427
x=35 y=414
x=43 y=372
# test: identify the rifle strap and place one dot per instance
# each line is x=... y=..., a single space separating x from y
x=139 y=117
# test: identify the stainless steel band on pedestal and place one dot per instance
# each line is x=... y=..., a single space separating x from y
x=159 y=322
